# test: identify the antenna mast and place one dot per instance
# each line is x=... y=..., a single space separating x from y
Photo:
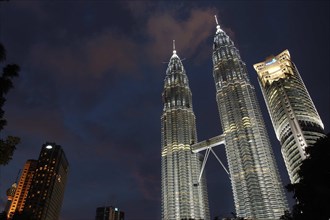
x=19 y=171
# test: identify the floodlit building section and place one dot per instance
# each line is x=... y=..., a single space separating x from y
x=295 y=119
x=181 y=197
x=22 y=189
x=257 y=188
x=10 y=195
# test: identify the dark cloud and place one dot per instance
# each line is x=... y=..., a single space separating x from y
x=33 y=7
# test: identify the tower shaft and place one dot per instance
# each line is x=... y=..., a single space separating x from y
x=256 y=184
x=181 y=198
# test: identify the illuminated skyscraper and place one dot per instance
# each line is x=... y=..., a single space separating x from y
x=257 y=188
x=182 y=198
x=46 y=193
x=295 y=119
x=23 y=188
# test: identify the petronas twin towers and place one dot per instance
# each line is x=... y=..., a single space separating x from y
x=256 y=185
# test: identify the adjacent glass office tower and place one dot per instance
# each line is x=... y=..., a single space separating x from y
x=257 y=188
x=46 y=193
x=109 y=213
x=295 y=119
x=182 y=198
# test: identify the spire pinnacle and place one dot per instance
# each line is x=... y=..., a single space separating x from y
x=216 y=21
x=174 y=51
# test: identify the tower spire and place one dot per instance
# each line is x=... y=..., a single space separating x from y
x=216 y=19
x=174 y=51
x=218 y=25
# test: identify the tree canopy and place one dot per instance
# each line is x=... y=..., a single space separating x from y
x=9 y=71
x=312 y=193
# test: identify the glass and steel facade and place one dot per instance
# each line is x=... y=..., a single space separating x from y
x=182 y=198
x=46 y=193
x=295 y=119
x=257 y=188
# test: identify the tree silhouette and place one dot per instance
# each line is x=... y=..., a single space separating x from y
x=3 y=215
x=287 y=215
x=9 y=71
x=312 y=193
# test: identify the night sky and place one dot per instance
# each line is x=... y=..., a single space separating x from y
x=91 y=79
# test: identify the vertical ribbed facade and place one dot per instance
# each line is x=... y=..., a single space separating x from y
x=23 y=188
x=257 y=188
x=182 y=198
x=294 y=116
x=10 y=196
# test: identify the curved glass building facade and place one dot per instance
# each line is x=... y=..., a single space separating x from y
x=257 y=188
x=294 y=116
x=182 y=198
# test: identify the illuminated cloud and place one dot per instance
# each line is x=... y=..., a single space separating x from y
x=189 y=33
x=111 y=52
x=94 y=56
x=148 y=185
x=45 y=123
x=189 y=26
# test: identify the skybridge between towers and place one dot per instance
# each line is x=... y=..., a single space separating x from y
x=207 y=145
